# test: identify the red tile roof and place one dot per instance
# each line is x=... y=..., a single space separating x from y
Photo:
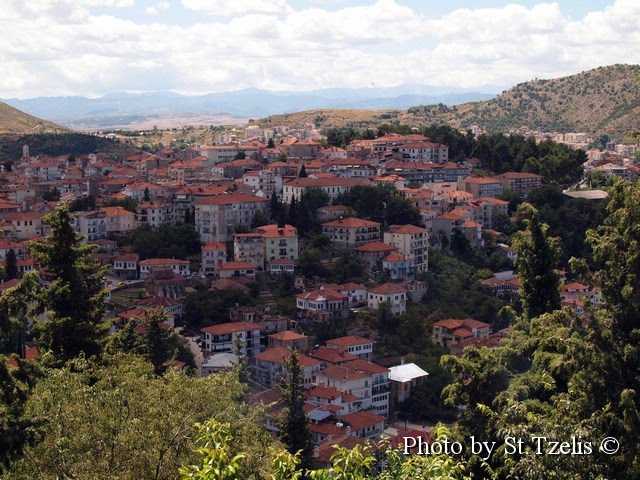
x=332 y=355
x=349 y=341
x=376 y=247
x=351 y=222
x=389 y=289
x=412 y=229
x=231 y=327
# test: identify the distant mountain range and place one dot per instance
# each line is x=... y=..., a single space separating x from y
x=123 y=109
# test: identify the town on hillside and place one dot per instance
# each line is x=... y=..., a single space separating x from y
x=371 y=260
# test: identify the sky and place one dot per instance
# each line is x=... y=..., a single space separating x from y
x=93 y=47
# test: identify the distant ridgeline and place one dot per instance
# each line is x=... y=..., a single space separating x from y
x=58 y=144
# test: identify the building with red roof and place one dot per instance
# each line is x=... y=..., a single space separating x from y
x=451 y=331
x=351 y=232
x=323 y=303
x=355 y=345
x=217 y=218
x=242 y=338
x=269 y=369
x=393 y=294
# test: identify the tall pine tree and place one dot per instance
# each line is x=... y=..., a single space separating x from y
x=74 y=300
x=295 y=426
x=537 y=261
x=11 y=266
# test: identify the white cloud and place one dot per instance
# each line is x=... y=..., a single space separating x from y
x=62 y=47
x=157 y=8
x=237 y=7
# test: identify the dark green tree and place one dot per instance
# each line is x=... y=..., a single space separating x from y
x=74 y=298
x=295 y=425
x=146 y=197
x=303 y=172
x=537 y=262
x=51 y=195
x=274 y=207
x=293 y=211
x=271 y=144
x=15 y=429
x=11 y=265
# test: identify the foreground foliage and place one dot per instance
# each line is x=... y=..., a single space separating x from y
x=219 y=462
x=116 y=419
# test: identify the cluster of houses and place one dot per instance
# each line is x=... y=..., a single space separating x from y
x=346 y=393
x=222 y=190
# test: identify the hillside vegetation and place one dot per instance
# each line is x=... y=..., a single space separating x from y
x=14 y=121
x=606 y=99
x=332 y=117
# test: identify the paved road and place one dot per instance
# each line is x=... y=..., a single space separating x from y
x=197 y=353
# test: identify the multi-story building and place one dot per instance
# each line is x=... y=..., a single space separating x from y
x=399 y=266
x=155 y=213
x=288 y=339
x=249 y=247
x=213 y=254
x=404 y=379
x=331 y=186
x=520 y=182
x=180 y=267
x=422 y=152
x=353 y=344
x=380 y=386
x=119 y=220
x=490 y=210
x=348 y=380
x=323 y=303
x=269 y=369
x=351 y=232
x=223 y=153
x=139 y=190
x=411 y=241
x=92 y=225
x=393 y=294
x=18 y=248
x=426 y=172
x=25 y=225
x=126 y=266
x=481 y=186
x=280 y=242
x=264 y=182
x=242 y=338
x=217 y=218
